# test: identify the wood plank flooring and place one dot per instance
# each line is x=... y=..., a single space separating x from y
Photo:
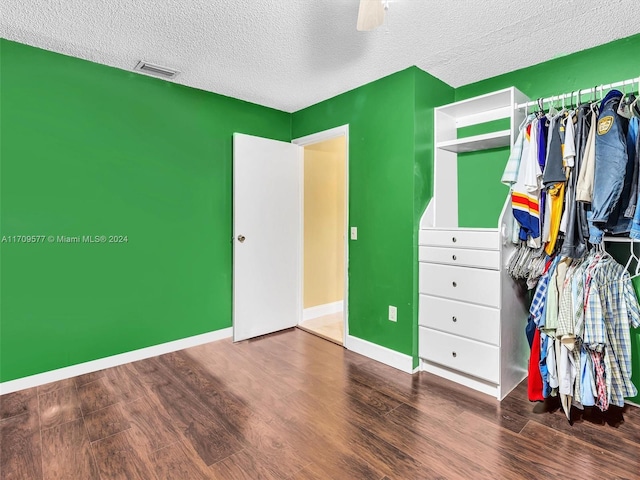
x=294 y=406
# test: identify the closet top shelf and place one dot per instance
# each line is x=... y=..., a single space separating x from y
x=476 y=105
x=477 y=142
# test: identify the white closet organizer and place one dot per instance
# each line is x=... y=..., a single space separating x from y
x=471 y=314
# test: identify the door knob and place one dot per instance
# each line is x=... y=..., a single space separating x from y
x=241 y=238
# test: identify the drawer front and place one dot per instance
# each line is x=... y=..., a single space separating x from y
x=482 y=239
x=461 y=256
x=462 y=319
x=473 y=285
x=468 y=356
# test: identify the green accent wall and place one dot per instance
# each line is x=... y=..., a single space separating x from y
x=390 y=181
x=87 y=149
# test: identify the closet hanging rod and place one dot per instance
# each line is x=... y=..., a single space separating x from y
x=593 y=91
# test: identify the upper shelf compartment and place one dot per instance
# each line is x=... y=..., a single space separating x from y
x=477 y=142
x=482 y=105
x=474 y=112
x=476 y=124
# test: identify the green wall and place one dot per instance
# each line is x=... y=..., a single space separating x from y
x=87 y=149
x=607 y=63
x=390 y=170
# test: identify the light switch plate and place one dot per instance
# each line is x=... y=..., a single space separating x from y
x=393 y=313
x=354 y=233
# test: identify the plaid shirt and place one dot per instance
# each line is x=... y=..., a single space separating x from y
x=611 y=308
x=537 y=309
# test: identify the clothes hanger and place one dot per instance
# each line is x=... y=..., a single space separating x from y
x=594 y=102
x=634 y=107
x=624 y=109
x=632 y=256
x=553 y=111
x=525 y=120
x=598 y=249
x=637 y=272
x=568 y=109
x=563 y=108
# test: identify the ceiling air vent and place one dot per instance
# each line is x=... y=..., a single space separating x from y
x=155 y=70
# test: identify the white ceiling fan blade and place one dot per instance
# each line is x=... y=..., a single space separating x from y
x=370 y=15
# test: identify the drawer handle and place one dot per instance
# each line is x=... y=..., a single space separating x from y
x=454 y=239
x=455 y=319
x=454 y=354
x=454 y=284
x=454 y=257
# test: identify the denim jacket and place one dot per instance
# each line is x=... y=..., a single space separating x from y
x=613 y=172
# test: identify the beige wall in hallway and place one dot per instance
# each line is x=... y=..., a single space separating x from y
x=324 y=217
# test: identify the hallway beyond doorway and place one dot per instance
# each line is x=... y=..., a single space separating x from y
x=330 y=327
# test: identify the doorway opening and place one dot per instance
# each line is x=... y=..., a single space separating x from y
x=324 y=234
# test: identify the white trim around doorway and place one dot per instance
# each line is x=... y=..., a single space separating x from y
x=330 y=134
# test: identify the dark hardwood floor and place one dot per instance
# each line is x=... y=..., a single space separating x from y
x=293 y=406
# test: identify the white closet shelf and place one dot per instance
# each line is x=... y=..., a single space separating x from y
x=478 y=142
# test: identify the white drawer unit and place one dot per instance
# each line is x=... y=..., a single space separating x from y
x=461 y=257
x=471 y=314
x=475 y=285
x=460 y=238
x=467 y=356
x=459 y=318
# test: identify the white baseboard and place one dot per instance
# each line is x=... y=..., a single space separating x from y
x=112 y=361
x=322 y=310
x=381 y=354
x=462 y=379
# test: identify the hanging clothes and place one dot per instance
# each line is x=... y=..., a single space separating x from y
x=574 y=176
x=583 y=310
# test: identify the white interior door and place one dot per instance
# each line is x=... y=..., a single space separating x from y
x=266 y=236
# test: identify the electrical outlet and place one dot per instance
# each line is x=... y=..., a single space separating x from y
x=354 y=233
x=393 y=313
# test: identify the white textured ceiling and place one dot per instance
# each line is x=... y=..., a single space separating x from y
x=289 y=54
